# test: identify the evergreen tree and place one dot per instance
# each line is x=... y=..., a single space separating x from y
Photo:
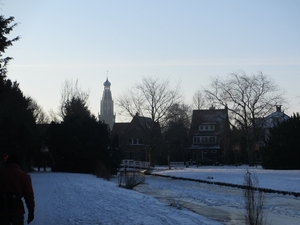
x=5 y=29
x=79 y=141
x=177 y=131
x=282 y=147
x=17 y=124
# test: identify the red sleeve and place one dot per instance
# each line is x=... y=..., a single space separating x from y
x=28 y=194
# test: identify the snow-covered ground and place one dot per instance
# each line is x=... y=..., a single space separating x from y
x=226 y=204
x=81 y=199
x=285 y=180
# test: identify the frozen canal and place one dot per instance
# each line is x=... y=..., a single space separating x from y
x=223 y=204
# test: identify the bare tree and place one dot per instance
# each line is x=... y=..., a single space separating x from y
x=198 y=100
x=247 y=98
x=38 y=112
x=151 y=98
x=69 y=92
x=53 y=116
x=179 y=113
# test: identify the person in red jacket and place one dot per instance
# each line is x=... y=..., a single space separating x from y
x=15 y=185
x=4 y=158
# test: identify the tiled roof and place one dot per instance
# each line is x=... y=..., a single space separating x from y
x=119 y=129
x=210 y=116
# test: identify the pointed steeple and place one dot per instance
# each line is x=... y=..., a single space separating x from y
x=107 y=105
x=107 y=83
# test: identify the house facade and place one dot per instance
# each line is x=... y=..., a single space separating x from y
x=137 y=137
x=209 y=135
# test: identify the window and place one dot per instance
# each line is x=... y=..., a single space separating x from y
x=212 y=139
x=207 y=127
x=135 y=141
x=204 y=139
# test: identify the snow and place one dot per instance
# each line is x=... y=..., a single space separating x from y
x=83 y=199
x=284 y=180
x=75 y=199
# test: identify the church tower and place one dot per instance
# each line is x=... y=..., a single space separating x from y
x=107 y=106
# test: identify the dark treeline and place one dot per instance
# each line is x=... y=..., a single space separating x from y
x=78 y=142
x=282 y=147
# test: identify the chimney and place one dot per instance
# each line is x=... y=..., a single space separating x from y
x=278 y=108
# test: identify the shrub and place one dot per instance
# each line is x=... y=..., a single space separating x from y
x=102 y=171
x=130 y=180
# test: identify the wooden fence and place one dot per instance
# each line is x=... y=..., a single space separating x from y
x=135 y=164
x=177 y=164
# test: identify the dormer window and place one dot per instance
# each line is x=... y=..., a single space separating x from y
x=206 y=127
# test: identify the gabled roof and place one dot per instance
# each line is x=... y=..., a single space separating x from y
x=119 y=129
x=271 y=120
x=144 y=123
x=209 y=116
x=218 y=117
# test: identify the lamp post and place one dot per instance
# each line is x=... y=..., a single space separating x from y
x=168 y=149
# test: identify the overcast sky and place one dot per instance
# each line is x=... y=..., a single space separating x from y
x=187 y=41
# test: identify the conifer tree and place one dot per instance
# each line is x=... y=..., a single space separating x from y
x=282 y=147
x=79 y=141
x=17 y=123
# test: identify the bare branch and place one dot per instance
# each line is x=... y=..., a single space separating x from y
x=199 y=100
x=151 y=98
x=39 y=115
x=247 y=98
x=69 y=91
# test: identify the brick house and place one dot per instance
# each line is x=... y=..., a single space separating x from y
x=135 y=137
x=209 y=135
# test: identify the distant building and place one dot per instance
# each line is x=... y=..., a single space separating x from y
x=107 y=106
x=271 y=120
x=265 y=124
x=135 y=137
x=261 y=130
x=209 y=135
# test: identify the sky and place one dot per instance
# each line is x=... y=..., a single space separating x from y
x=187 y=42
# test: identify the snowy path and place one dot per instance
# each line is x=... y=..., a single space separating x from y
x=80 y=199
x=223 y=204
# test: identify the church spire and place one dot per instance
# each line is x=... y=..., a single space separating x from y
x=106 y=83
x=107 y=105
